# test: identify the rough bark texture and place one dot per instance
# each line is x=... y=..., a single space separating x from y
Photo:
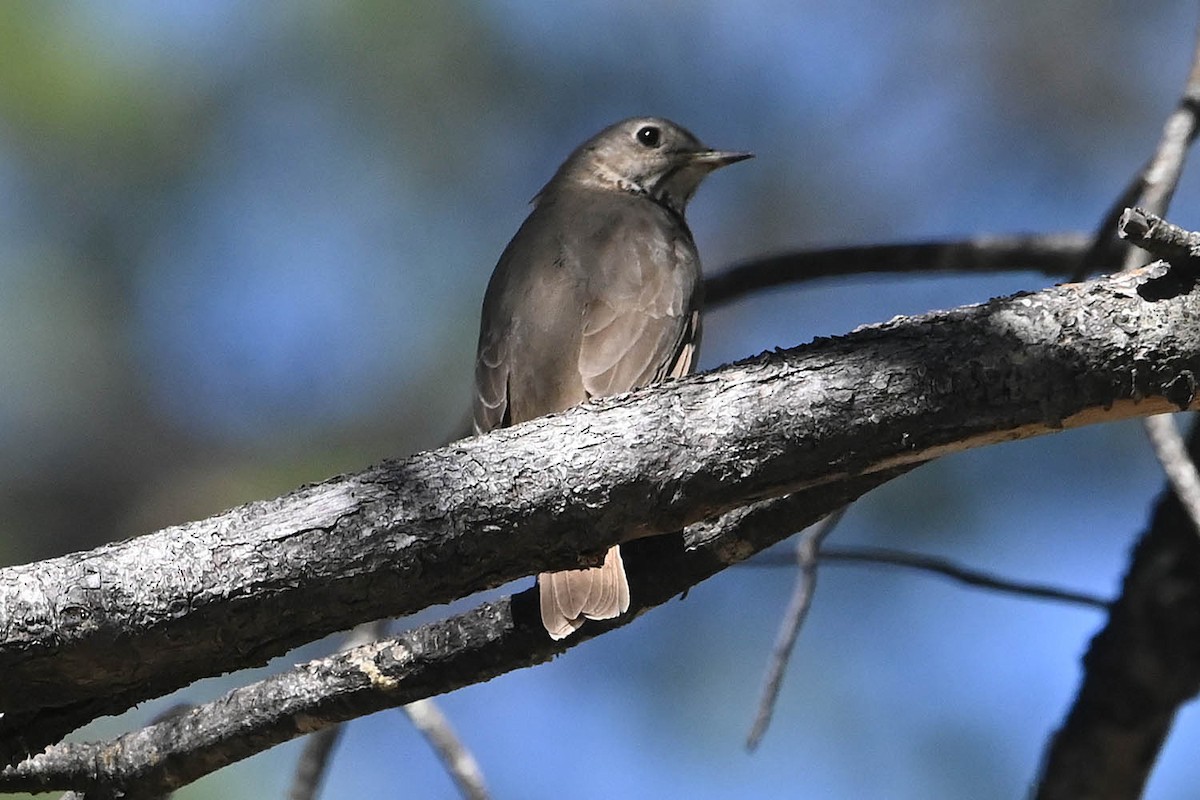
x=95 y=632
x=1139 y=670
x=469 y=648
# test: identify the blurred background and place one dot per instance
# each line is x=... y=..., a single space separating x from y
x=243 y=246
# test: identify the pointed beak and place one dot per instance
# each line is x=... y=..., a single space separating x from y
x=714 y=159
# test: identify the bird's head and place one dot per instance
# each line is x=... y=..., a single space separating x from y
x=644 y=155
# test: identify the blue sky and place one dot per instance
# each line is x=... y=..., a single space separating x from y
x=301 y=205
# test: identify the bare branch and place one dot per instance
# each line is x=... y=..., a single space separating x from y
x=440 y=657
x=1154 y=184
x=1106 y=252
x=1139 y=669
x=807 y=545
x=459 y=763
x=443 y=524
x=1173 y=456
x=1166 y=165
x=319 y=746
x=1145 y=663
x=314 y=763
x=1158 y=237
x=888 y=557
x=1054 y=255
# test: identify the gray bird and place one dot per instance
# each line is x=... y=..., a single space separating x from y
x=598 y=293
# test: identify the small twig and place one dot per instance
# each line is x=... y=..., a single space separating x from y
x=423 y=714
x=888 y=557
x=1166 y=165
x=314 y=762
x=1181 y=471
x=1163 y=171
x=1105 y=248
x=319 y=746
x=1158 y=237
x=1052 y=254
x=807 y=546
x=1086 y=758
x=966 y=575
x=459 y=762
x=1154 y=184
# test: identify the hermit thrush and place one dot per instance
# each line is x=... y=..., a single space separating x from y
x=598 y=293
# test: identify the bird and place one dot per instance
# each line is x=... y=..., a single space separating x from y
x=598 y=293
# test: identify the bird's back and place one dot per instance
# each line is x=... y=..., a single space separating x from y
x=596 y=294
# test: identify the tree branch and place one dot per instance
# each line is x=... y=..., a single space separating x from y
x=1053 y=254
x=1139 y=669
x=473 y=647
x=889 y=557
x=807 y=545
x=1158 y=237
x=95 y=632
x=1136 y=672
x=1153 y=185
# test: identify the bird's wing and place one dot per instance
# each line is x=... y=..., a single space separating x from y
x=641 y=323
x=493 y=359
x=491 y=383
x=608 y=307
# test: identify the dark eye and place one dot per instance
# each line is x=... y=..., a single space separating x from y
x=649 y=136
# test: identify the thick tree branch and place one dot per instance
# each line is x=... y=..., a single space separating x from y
x=94 y=632
x=469 y=648
x=1139 y=670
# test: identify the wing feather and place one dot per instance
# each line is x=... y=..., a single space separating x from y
x=642 y=314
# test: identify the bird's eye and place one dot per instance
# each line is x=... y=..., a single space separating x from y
x=649 y=136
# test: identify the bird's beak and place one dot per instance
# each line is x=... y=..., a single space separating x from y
x=714 y=159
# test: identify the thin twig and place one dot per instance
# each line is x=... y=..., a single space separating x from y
x=807 y=546
x=319 y=746
x=314 y=762
x=1166 y=166
x=459 y=762
x=1105 y=248
x=1162 y=177
x=425 y=716
x=809 y=553
x=1158 y=237
x=1154 y=184
x=1090 y=756
x=884 y=556
x=948 y=569
x=1052 y=254
x=1173 y=455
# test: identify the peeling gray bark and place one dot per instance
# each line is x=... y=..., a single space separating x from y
x=468 y=648
x=95 y=632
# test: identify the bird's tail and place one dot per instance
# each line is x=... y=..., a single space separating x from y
x=570 y=597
